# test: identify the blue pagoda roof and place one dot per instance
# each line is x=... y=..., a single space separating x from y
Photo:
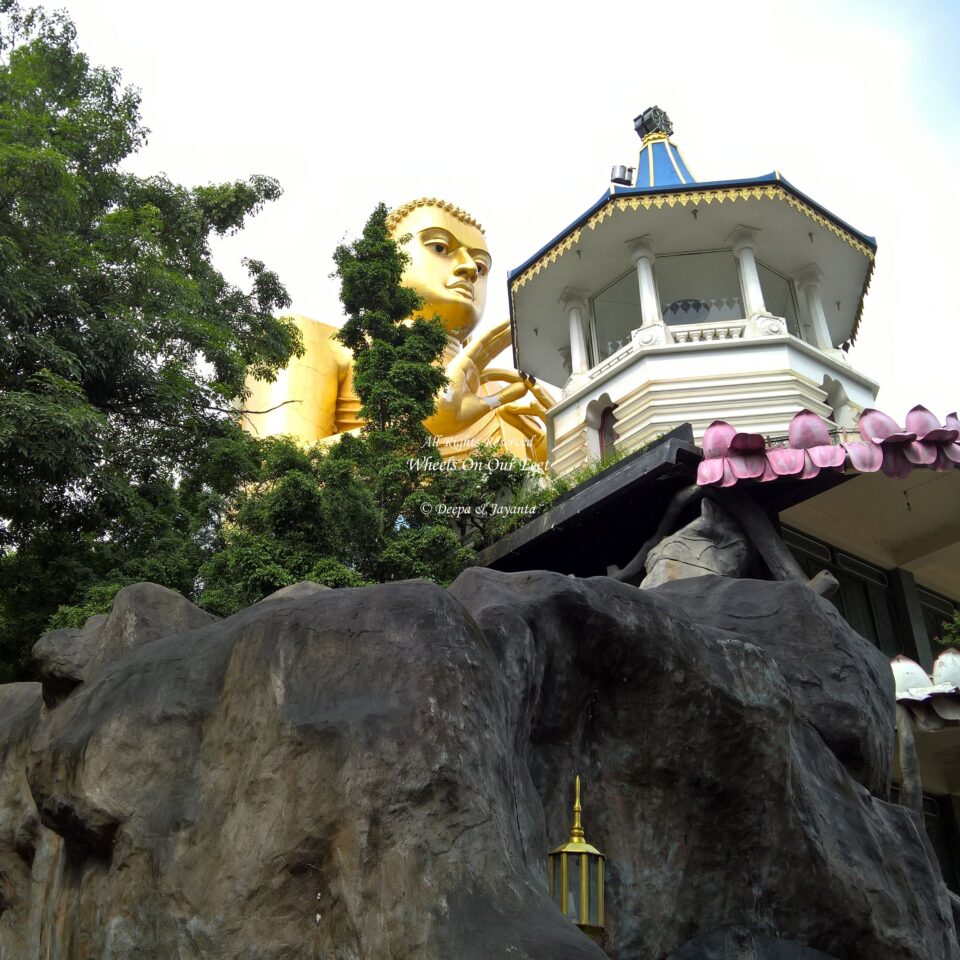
x=772 y=178
x=661 y=165
x=662 y=179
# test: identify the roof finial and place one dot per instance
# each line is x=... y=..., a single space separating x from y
x=653 y=124
x=576 y=834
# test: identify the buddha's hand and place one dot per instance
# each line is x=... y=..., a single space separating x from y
x=460 y=404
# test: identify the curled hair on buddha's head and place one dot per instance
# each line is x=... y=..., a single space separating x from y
x=396 y=216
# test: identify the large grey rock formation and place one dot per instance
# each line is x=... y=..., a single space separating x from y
x=141 y=613
x=20 y=828
x=380 y=773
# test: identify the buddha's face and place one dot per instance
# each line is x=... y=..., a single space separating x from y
x=448 y=267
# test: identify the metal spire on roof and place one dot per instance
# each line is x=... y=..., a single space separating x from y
x=660 y=163
x=652 y=124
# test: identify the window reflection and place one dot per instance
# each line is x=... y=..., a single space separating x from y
x=573 y=895
x=616 y=313
x=693 y=288
x=592 y=903
x=778 y=298
x=699 y=287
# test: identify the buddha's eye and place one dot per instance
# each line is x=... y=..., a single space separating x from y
x=481 y=269
x=440 y=247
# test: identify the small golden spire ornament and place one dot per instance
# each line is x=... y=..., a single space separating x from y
x=575 y=876
x=576 y=834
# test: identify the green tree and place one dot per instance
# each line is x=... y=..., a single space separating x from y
x=397 y=374
x=123 y=351
x=302 y=516
x=396 y=369
x=378 y=506
x=950 y=631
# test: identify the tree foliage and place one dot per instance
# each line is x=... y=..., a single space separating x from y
x=396 y=360
x=397 y=375
x=380 y=505
x=950 y=631
x=122 y=348
x=316 y=515
x=123 y=359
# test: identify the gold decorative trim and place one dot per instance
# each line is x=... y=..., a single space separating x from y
x=396 y=216
x=655 y=135
x=863 y=294
x=767 y=191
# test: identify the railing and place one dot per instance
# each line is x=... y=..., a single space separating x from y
x=688 y=333
x=611 y=361
x=701 y=332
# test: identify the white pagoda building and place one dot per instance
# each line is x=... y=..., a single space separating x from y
x=719 y=314
x=672 y=300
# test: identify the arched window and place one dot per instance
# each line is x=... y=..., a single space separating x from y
x=608 y=436
x=601 y=435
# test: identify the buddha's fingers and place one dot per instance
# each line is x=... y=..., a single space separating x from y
x=485 y=348
x=535 y=440
x=528 y=410
x=507 y=395
x=500 y=373
x=516 y=421
x=542 y=394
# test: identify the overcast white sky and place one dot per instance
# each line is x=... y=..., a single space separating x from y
x=516 y=111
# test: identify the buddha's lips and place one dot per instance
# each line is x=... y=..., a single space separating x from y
x=462 y=285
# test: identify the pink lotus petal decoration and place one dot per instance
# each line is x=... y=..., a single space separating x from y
x=747 y=466
x=864 y=457
x=710 y=471
x=747 y=442
x=716 y=439
x=808 y=430
x=786 y=462
x=832 y=456
x=920 y=453
x=927 y=428
x=730 y=456
x=877 y=427
x=946 y=460
x=895 y=464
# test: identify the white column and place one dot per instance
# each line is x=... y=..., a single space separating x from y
x=809 y=281
x=641 y=250
x=743 y=239
x=575 y=303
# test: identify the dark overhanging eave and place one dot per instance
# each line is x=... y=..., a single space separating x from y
x=604 y=521
x=674 y=455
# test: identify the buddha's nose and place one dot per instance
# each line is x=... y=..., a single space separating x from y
x=466 y=267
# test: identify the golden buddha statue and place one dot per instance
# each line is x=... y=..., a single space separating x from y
x=313 y=399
